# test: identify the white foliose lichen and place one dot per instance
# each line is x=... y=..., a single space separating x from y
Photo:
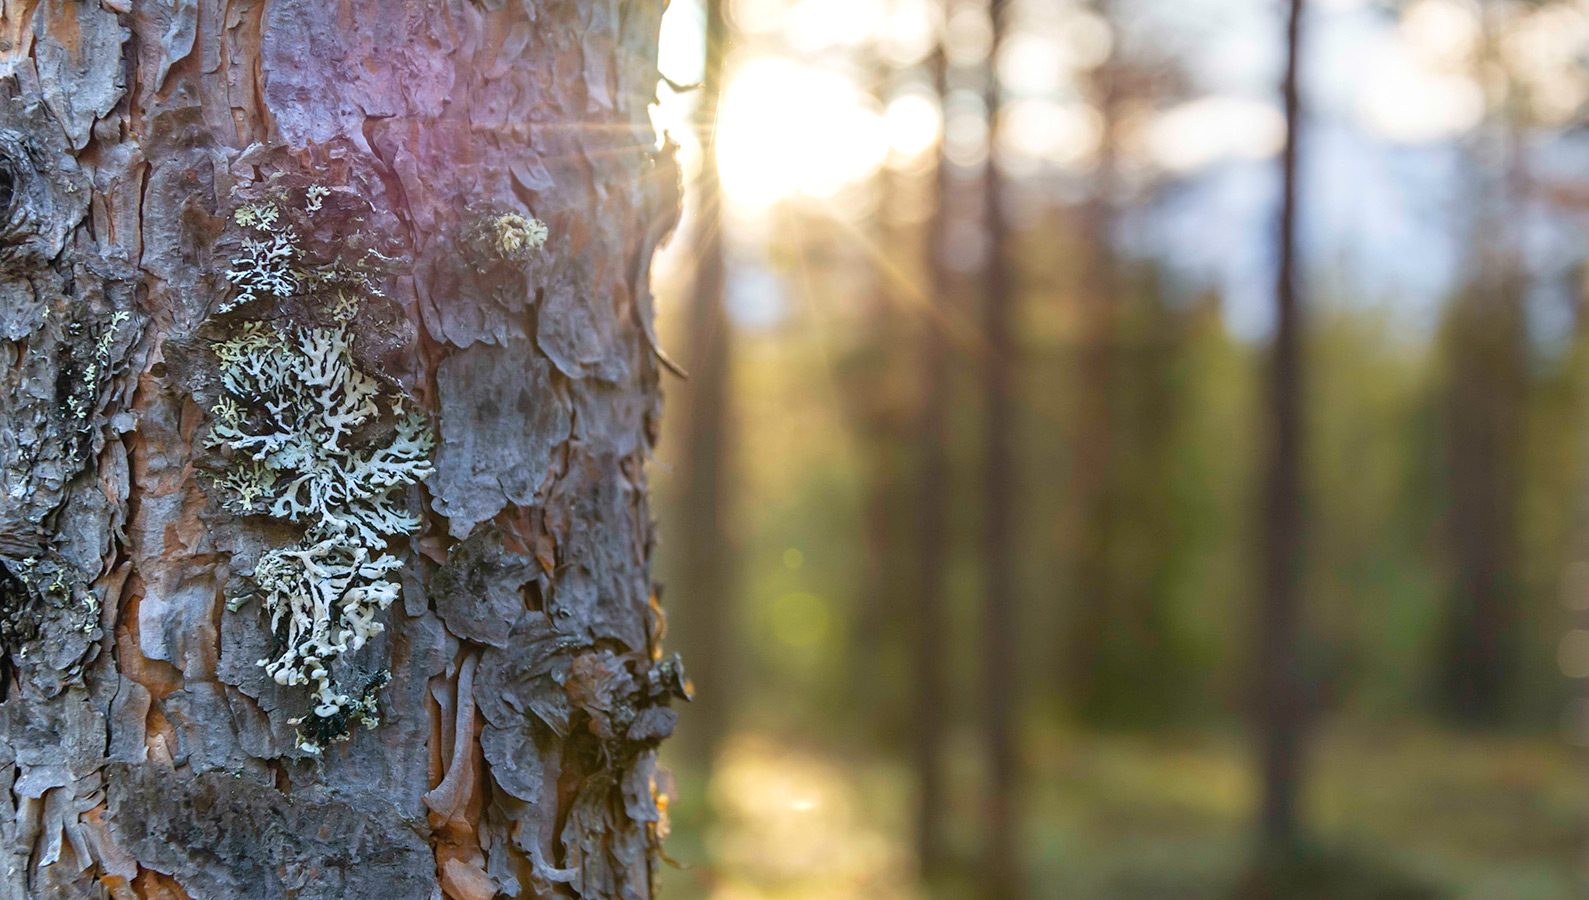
x=274 y=262
x=294 y=413
x=314 y=196
x=266 y=266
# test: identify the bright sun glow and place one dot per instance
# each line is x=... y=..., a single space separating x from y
x=788 y=129
x=1213 y=129
x=1442 y=34
x=913 y=124
x=1543 y=49
x=1064 y=134
x=814 y=25
x=1408 y=102
x=909 y=32
x=1032 y=64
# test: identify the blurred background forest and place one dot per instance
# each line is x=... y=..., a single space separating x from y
x=1055 y=510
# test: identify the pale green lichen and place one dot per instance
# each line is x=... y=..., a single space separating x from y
x=315 y=440
x=84 y=396
x=512 y=236
x=314 y=195
x=293 y=414
x=272 y=261
x=264 y=268
x=344 y=306
x=249 y=482
x=102 y=347
x=262 y=216
x=48 y=578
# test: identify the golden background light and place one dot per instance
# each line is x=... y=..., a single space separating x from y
x=913 y=123
x=777 y=129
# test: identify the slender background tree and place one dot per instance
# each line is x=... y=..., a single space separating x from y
x=707 y=572
x=1282 y=700
x=932 y=520
x=1002 y=877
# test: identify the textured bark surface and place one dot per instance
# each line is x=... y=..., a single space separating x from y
x=518 y=680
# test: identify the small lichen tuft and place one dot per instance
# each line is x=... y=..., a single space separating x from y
x=512 y=236
x=19 y=620
x=82 y=385
x=42 y=578
x=257 y=215
x=314 y=195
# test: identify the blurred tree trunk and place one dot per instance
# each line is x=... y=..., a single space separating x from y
x=1485 y=414
x=1144 y=678
x=1486 y=343
x=1120 y=654
x=1281 y=697
x=314 y=223
x=1090 y=665
x=932 y=511
x=706 y=580
x=879 y=401
x=1002 y=876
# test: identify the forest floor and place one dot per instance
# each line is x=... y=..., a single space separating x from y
x=1395 y=813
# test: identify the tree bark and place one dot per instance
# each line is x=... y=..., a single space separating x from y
x=328 y=381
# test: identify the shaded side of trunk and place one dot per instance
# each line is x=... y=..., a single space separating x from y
x=1002 y=875
x=328 y=389
x=707 y=552
x=1281 y=700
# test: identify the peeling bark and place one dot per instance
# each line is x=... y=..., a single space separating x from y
x=155 y=159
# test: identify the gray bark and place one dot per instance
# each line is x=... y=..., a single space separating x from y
x=197 y=196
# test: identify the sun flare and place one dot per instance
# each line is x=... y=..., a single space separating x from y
x=789 y=129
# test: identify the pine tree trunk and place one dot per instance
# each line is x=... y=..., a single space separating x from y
x=326 y=385
x=1281 y=714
